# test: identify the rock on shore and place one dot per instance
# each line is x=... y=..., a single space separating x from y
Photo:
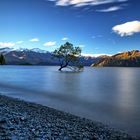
x=23 y=120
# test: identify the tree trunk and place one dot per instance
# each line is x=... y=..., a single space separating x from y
x=61 y=67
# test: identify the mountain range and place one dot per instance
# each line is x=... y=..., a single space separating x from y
x=124 y=59
x=37 y=56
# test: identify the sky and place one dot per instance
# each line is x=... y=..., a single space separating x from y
x=97 y=26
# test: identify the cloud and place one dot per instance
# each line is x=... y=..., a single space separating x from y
x=110 y=9
x=7 y=44
x=79 y=3
x=19 y=42
x=34 y=40
x=49 y=44
x=127 y=29
x=64 y=39
x=81 y=46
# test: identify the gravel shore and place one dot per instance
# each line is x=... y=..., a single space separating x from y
x=20 y=120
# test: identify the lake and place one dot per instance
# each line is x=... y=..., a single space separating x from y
x=108 y=95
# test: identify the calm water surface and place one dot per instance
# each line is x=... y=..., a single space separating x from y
x=108 y=95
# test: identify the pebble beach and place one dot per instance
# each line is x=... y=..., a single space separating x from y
x=20 y=120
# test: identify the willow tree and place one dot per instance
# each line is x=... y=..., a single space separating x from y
x=2 y=59
x=68 y=56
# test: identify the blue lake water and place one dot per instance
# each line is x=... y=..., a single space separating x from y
x=108 y=95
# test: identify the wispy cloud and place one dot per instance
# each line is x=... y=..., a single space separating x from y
x=81 y=46
x=34 y=40
x=49 y=44
x=19 y=42
x=110 y=9
x=79 y=3
x=64 y=38
x=7 y=44
x=127 y=29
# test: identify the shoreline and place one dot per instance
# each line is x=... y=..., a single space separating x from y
x=25 y=120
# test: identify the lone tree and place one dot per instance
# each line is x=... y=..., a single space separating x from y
x=2 y=59
x=68 y=56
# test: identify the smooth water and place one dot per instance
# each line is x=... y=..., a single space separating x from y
x=108 y=95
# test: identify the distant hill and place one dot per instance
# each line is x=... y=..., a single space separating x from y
x=125 y=59
x=37 y=56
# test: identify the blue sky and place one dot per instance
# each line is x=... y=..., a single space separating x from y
x=98 y=26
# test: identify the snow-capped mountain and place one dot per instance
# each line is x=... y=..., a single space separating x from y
x=6 y=49
x=22 y=49
x=38 y=50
